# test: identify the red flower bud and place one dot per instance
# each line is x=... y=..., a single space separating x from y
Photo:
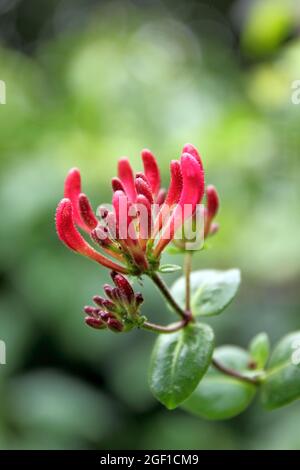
x=117 y=185
x=126 y=176
x=151 y=170
x=191 y=150
x=95 y=323
x=86 y=212
x=212 y=201
x=69 y=235
x=125 y=289
x=143 y=188
x=114 y=325
x=92 y=311
x=191 y=195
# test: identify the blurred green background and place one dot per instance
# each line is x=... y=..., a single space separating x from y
x=86 y=83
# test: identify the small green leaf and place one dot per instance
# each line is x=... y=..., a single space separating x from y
x=260 y=350
x=169 y=268
x=219 y=396
x=211 y=291
x=282 y=382
x=179 y=361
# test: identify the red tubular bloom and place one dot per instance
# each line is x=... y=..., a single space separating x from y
x=124 y=287
x=172 y=196
x=191 y=195
x=143 y=188
x=151 y=170
x=133 y=233
x=191 y=150
x=69 y=235
x=126 y=176
x=86 y=212
x=72 y=191
x=212 y=201
x=117 y=185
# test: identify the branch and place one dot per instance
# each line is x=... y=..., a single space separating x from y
x=168 y=296
x=165 y=329
x=187 y=270
x=234 y=373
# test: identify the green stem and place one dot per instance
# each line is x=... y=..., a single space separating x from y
x=168 y=296
x=234 y=373
x=187 y=271
x=165 y=329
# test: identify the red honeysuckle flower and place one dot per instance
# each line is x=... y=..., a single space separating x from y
x=144 y=217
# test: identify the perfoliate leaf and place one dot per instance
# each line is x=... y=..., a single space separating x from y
x=179 y=361
x=260 y=349
x=169 y=268
x=282 y=382
x=219 y=396
x=211 y=290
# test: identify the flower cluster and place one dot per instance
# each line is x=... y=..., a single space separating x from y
x=144 y=217
x=119 y=311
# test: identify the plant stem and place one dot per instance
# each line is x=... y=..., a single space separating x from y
x=187 y=271
x=165 y=329
x=168 y=296
x=234 y=373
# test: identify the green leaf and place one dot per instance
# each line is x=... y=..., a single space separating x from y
x=219 y=396
x=211 y=291
x=260 y=350
x=169 y=268
x=179 y=361
x=282 y=382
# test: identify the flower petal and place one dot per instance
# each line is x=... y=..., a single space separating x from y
x=86 y=212
x=191 y=195
x=151 y=170
x=71 y=191
x=126 y=176
x=70 y=236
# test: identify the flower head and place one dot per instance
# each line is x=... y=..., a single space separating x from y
x=144 y=217
x=119 y=311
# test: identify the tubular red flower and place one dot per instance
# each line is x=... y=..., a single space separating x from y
x=144 y=220
x=175 y=187
x=124 y=287
x=86 y=212
x=151 y=170
x=191 y=195
x=143 y=188
x=126 y=176
x=212 y=200
x=71 y=191
x=190 y=149
x=95 y=323
x=69 y=235
x=172 y=196
x=161 y=197
x=117 y=185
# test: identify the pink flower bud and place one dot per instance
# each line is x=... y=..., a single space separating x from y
x=86 y=212
x=151 y=170
x=212 y=201
x=69 y=235
x=127 y=293
x=143 y=188
x=126 y=176
x=95 y=323
x=117 y=185
x=114 y=325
